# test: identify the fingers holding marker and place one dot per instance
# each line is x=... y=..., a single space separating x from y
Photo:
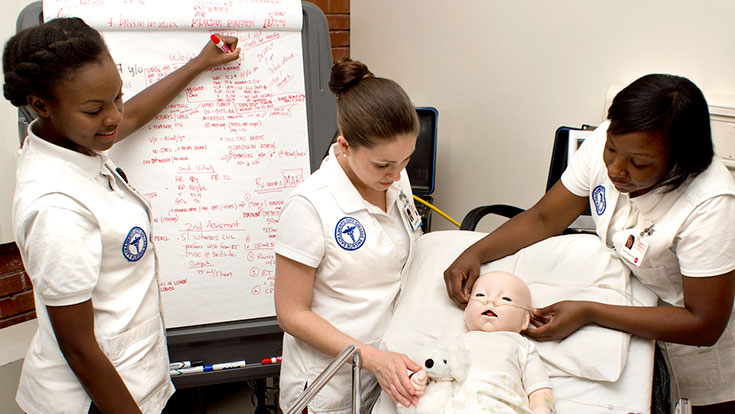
x=220 y=43
x=227 y=45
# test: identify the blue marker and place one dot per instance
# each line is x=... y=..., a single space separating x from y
x=208 y=368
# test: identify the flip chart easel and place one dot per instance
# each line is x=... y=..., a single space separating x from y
x=258 y=338
x=252 y=338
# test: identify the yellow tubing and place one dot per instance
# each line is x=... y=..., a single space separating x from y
x=427 y=204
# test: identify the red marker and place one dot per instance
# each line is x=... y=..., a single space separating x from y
x=271 y=360
x=220 y=44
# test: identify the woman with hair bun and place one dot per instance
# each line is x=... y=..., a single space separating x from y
x=344 y=236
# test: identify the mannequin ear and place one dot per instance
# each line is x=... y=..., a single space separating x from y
x=39 y=105
x=526 y=321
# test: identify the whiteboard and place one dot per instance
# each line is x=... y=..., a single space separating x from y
x=219 y=161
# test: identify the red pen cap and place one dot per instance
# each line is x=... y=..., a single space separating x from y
x=220 y=44
x=271 y=360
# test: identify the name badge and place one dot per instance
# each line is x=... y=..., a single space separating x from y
x=634 y=249
x=409 y=209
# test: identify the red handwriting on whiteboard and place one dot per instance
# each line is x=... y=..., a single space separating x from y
x=275 y=19
x=224 y=172
x=292 y=178
x=172 y=284
x=250 y=40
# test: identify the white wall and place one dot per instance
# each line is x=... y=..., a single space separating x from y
x=505 y=74
x=9 y=10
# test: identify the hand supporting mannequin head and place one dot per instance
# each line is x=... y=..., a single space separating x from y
x=499 y=301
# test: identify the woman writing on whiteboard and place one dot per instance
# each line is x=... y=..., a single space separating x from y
x=343 y=237
x=83 y=232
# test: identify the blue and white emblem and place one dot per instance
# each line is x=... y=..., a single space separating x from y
x=349 y=233
x=598 y=197
x=135 y=244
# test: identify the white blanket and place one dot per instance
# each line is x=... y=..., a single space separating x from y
x=564 y=267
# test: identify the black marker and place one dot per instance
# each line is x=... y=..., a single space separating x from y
x=122 y=175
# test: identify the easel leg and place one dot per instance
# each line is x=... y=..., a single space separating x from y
x=260 y=389
x=202 y=406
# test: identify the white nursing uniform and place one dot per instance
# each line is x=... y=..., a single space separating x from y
x=689 y=231
x=83 y=234
x=358 y=252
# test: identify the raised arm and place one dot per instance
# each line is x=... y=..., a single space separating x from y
x=141 y=108
x=74 y=329
x=556 y=210
x=293 y=292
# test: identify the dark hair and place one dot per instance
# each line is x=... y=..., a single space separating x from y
x=35 y=59
x=370 y=109
x=675 y=107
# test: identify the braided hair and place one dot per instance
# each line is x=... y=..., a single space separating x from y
x=37 y=58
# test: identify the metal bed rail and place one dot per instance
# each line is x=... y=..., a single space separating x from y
x=683 y=407
x=351 y=351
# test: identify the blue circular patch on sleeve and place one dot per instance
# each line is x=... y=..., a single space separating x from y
x=135 y=244
x=349 y=233
x=598 y=197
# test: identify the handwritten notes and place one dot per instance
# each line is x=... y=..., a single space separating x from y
x=180 y=14
x=219 y=161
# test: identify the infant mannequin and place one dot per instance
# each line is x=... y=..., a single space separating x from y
x=506 y=373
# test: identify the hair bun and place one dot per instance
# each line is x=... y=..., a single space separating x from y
x=346 y=73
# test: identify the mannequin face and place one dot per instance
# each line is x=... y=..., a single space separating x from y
x=379 y=166
x=498 y=303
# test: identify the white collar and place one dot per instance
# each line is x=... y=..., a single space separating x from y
x=646 y=202
x=91 y=165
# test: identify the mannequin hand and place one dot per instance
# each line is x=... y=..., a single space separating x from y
x=541 y=401
x=419 y=380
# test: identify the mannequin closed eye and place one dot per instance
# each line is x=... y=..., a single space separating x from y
x=505 y=301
